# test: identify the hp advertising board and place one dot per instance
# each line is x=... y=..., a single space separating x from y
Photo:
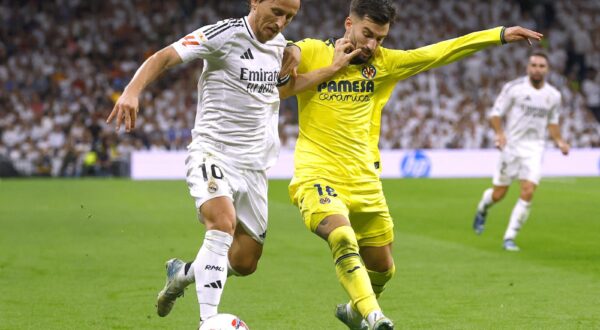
x=415 y=164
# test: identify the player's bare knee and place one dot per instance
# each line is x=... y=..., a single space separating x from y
x=244 y=267
x=243 y=259
x=384 y=264
x=381 y=267
x=220 y=221
x=526 y=195
x=329 y=224
x=218 y=218
x=377 y=259
x=498 y=194
x=527 y=190
x=244 y=254
x=388 y=270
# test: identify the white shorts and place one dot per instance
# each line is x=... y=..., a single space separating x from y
x=209 y=176
x=511 y=166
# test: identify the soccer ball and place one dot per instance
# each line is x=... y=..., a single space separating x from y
x=224 y=322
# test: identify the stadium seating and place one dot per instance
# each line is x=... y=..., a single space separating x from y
x=64 y=63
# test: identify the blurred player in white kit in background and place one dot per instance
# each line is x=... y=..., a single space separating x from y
x=531 y=105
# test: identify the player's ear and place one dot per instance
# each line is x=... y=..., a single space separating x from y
x=252 y=4
x=348 y=23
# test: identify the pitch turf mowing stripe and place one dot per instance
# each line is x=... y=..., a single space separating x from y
x=62 y=269
x=440 y=281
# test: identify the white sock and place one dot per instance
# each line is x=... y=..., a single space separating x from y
x=210 y=271
x=373 y=317
x=189 y=278
x=517 y=218
x=486 y=201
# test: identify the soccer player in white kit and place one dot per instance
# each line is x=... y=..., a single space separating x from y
x=531 y=104
x=235 y=139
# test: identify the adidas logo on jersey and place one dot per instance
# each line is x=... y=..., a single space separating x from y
x=247 y=55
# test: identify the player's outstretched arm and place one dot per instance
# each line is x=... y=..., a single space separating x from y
x=408 y=63
x=343 y=54
x=127 y=106
x=554 y=130
x=517 y=33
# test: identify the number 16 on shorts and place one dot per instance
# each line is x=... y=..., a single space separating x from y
x=324 y=195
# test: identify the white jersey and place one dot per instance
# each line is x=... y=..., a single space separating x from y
x=529 y=111
x=238 y=101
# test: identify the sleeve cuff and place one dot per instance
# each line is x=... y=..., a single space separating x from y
x=282 y=81
x=502 y=40
x=292 y=44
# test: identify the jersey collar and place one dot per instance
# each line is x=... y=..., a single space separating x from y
x=248 y=27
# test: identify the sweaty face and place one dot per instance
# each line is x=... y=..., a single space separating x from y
x=366 y=35
x=269 y=17
x=537 y=68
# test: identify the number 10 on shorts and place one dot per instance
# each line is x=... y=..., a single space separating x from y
x=215 y=172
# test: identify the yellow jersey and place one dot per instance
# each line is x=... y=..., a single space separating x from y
x=340 y=119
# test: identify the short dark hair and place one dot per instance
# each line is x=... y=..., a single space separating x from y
x=379 y=11
x=540 y=54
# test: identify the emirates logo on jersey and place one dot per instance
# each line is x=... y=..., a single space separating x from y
x=368 y=71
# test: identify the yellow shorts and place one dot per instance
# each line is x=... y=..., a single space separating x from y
x=362 y=203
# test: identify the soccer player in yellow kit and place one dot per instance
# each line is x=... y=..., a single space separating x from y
x=336 y=181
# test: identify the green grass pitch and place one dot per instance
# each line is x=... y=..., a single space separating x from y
x=89 y=254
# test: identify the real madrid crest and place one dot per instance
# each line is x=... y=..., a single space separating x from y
x=212 y=187
x=368 y=71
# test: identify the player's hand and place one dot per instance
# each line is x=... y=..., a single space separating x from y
x=500 y=141
x=344 y=53
x=564 y=147
x=125 y=110
x=517 y=33
x=291 y=60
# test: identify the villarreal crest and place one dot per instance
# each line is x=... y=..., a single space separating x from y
x=368 y=71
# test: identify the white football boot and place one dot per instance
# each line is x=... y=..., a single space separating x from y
x=174 y=287
x=353 y=323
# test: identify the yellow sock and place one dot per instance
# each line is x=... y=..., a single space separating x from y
x=378 y=280
x=350 y=271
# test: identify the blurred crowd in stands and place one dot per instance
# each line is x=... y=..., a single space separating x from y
x=63 y=64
